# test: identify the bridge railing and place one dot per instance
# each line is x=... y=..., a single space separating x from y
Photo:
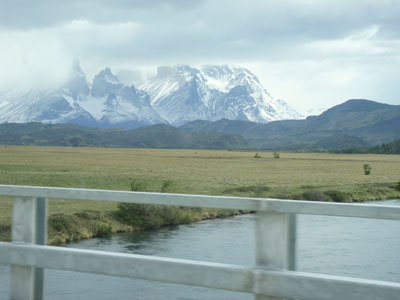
x=273 y=277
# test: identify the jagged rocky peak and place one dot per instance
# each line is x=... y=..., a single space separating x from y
x=183 y=93
x=177 y=94
x=219 y=71
x=105 y=83
x=77 y=84
x=185 y=69
x=225 y=77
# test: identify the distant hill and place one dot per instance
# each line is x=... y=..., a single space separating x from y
x=389 y=148
x=156 y=136
x=340 y=141
x=355 y=123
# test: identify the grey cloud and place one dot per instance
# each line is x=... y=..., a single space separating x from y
x=265 y=23
x=36 y=14
x=213 y=28
x=209 y=31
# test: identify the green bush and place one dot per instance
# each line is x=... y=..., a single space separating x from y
x=276 y=155
x=132 y=214
x=166 y=186
x=257 y=155
x=102 y=231
x=67 y=225
x=367 y=169
x=147 y=216
x=314 y=195
x=338 y=196
x=5 y=233
x=151 y=216
x=397 y=187
x=137 y=185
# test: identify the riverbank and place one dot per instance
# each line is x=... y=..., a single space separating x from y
x=135 y=217
x=303 y=176
x=65 y=228
x=89 y=224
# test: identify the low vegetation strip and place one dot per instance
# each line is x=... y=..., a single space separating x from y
x=304 y=176
x=388 y=148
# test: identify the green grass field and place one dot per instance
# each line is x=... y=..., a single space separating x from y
x=213 y=172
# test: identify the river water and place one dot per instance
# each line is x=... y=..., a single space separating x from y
x=353 y=247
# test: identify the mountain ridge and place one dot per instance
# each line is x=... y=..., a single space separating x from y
x=212 y=93
x=369 y=122
x=154 y=136
x=177 y=95
x=317 y=133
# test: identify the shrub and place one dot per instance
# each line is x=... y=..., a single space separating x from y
x=147 y=216
x=65 y=225
x=314 y=195
x=367 y=169
x=276 y=155
x=5 y=233
x=137 y=185
x=166 y=186
x=257 y=156
x=151 y=216
x=102 y=231
x=132 y=214
x=338 y=196
x=397 y=187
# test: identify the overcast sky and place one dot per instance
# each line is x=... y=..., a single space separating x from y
x=312 y=54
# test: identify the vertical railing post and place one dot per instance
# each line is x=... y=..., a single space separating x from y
x=41 y=239
x=28 y=226
x=275 y=243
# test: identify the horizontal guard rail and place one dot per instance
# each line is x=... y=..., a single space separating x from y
x=260 y=281
x=273 y=277
x=243 y=203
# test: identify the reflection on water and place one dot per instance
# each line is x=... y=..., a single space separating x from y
x=333 y=245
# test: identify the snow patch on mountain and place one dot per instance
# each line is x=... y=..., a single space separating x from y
x=182 y=93
x=4 y=103
x=176 y=95
x=95 y=106
x=107 y=104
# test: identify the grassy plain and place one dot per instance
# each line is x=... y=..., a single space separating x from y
x=213 y=172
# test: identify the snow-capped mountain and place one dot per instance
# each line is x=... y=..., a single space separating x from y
x=113 y=104
x=176 y=95
x=107 y=104
x=49 y=106
x=182 y=93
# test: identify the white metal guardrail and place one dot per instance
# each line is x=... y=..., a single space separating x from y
x=273 y=277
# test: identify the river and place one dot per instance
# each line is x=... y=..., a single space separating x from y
x=354 y=247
